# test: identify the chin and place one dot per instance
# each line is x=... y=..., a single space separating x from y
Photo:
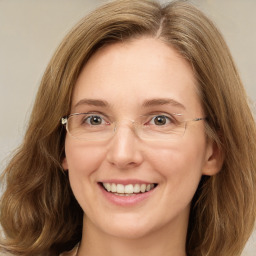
x=129 y=233
x=129 y=228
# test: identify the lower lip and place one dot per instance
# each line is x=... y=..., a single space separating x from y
x=126 y=200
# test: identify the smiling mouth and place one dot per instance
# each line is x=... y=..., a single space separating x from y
x=127 y=190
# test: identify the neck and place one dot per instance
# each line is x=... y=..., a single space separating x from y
x=165 y=242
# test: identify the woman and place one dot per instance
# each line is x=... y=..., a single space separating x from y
x=155 y=150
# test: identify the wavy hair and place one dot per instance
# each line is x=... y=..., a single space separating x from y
x=39 y=214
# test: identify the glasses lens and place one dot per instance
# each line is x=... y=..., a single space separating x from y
x=161 y=132
x=89 y=127
x=95 y=128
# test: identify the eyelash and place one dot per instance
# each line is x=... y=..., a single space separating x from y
x=166 y=118
x=90 y=116
x=170 y=119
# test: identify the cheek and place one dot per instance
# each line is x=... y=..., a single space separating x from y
x=181 y=166
x=82 y=157
x=82 y=161
x=177 y=158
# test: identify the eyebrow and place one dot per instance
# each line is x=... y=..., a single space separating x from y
x=162 y=101
x=92 y=102
x=146 y=104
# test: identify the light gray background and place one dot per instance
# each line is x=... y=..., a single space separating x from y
x=30 y=31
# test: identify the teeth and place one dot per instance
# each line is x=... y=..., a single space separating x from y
x=113 y=187
x=127 y=189
x=136 y=188
x=108 y=187
x=119 y=188
x=143 y=188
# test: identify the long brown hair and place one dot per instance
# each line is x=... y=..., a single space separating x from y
x=39 y=214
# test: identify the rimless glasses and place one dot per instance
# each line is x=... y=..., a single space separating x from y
x=98 y=127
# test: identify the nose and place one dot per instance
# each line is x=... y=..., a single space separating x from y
x=125 y=149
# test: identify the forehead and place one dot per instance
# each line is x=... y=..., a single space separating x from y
x=133 y=72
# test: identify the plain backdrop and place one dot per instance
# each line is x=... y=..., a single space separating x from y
x=30 y=31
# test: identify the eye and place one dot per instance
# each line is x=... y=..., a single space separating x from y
x=160 y=120
x=94 y=120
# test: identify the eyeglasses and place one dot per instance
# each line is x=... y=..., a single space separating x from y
x=98 y=127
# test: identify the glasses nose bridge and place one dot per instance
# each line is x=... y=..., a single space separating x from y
x=125 y=122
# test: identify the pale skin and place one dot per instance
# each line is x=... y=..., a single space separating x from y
x=125 y=77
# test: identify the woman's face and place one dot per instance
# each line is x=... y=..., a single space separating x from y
x=122 y=82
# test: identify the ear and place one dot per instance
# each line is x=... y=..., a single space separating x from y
x=214 y=158
x=65 y=164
